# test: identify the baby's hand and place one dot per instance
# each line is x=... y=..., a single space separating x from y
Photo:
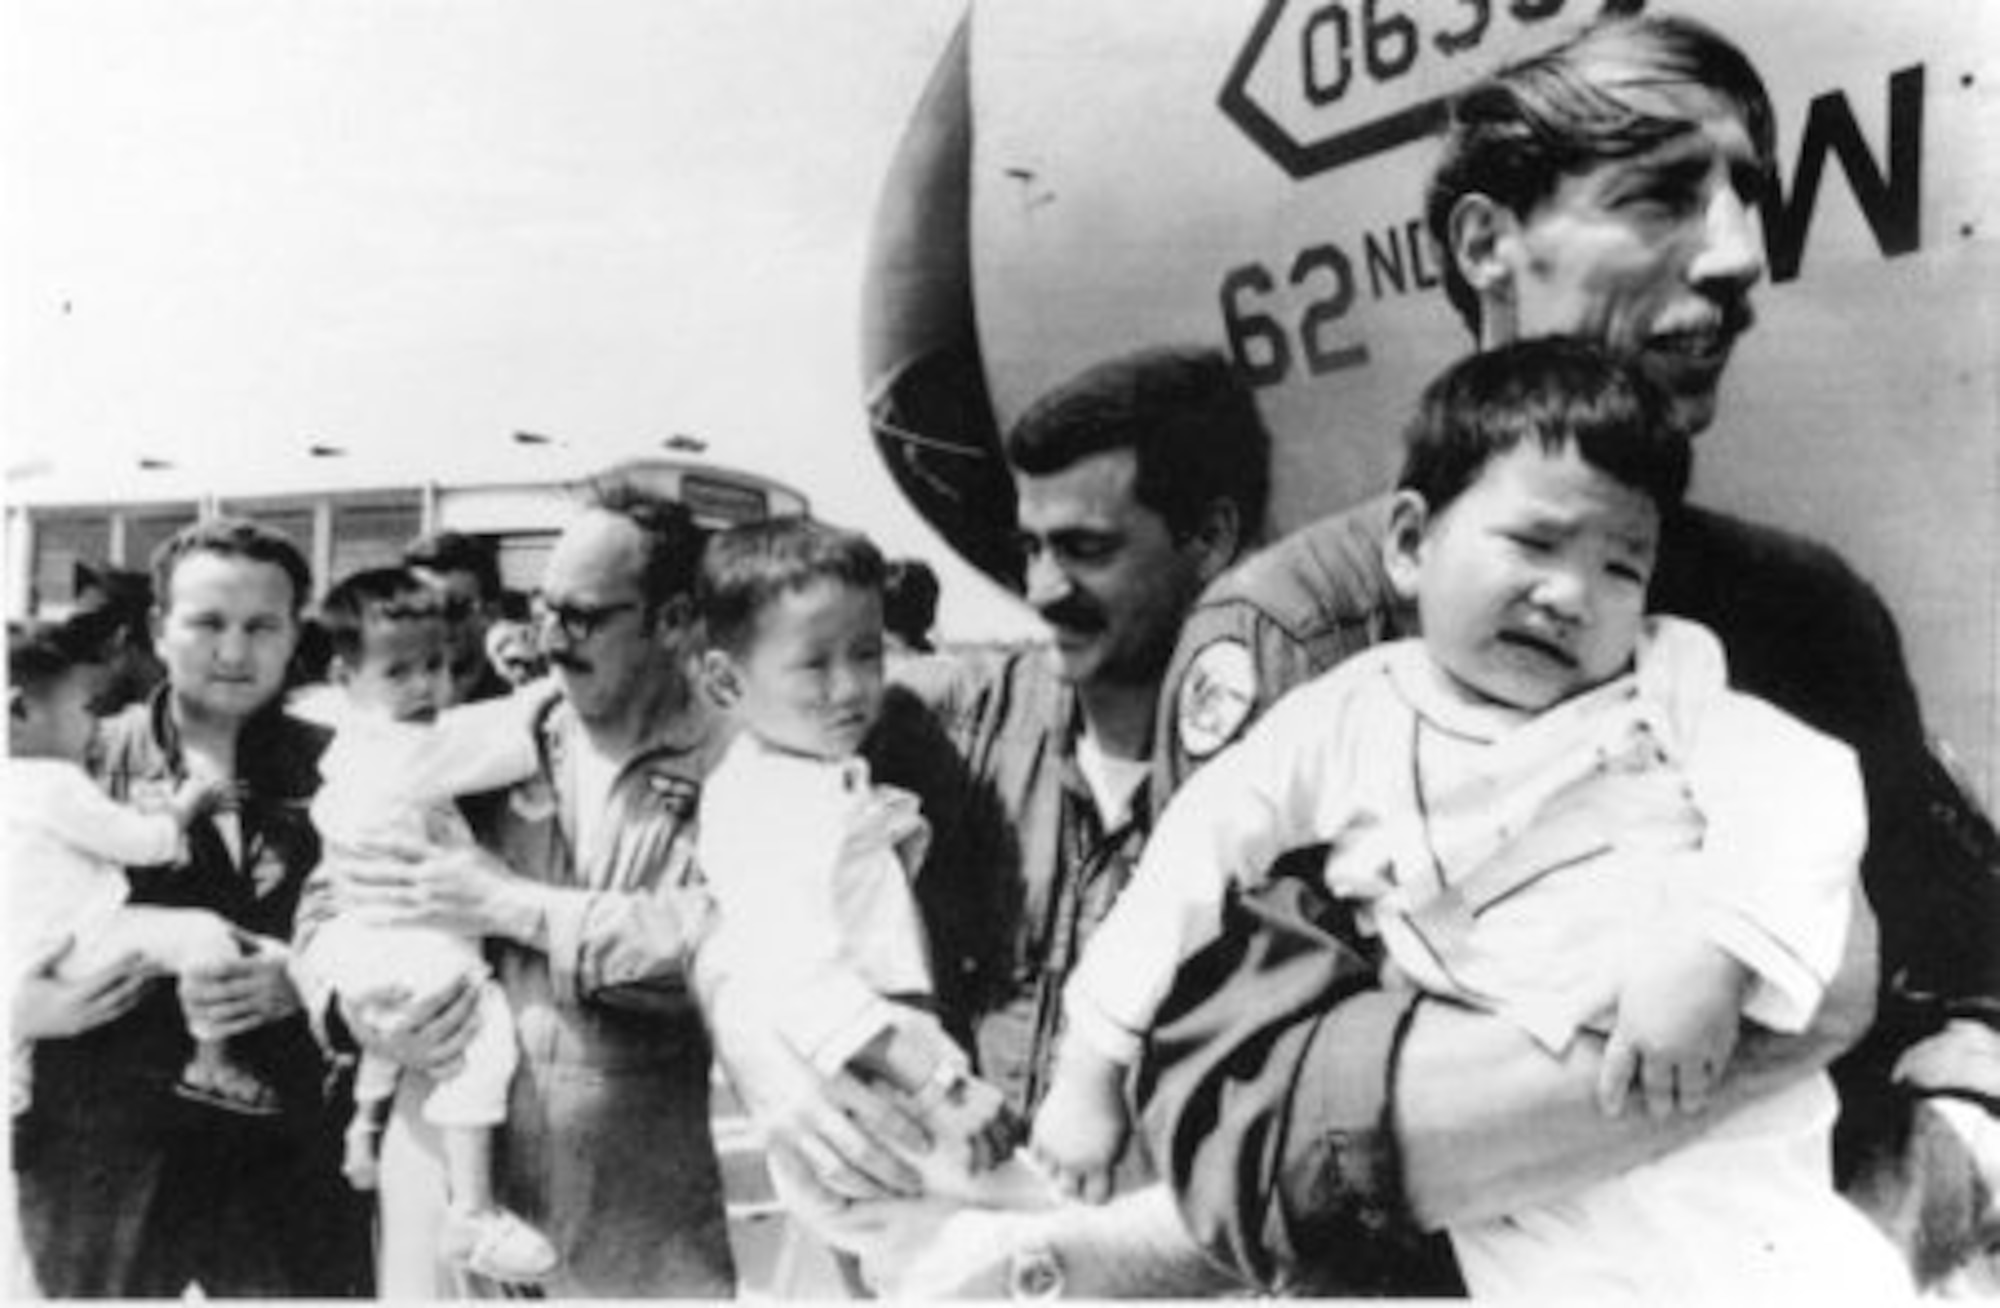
x=1678 y=1016
x=199 y=796
x=1081 y=1128
x=959 y=1106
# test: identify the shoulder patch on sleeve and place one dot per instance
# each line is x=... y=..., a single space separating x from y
x=1215 y=697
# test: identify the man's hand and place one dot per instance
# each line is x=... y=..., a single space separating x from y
x=1679 y=1012
x=1082 y=1125
x=240 y=994
x=48 y=1007
x=840 y=1127
x=465 y=891
x=427 y=1034
x=841 y=1130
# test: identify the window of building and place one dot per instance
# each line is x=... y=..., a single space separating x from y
x=61 y=542
x=145 y=530
x=372 y=535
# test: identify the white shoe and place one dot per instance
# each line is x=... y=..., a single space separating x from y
x=498 y=1245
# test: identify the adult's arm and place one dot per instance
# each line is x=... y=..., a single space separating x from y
x=1285 y=784
x=1297 y=1108
x=241 y=994
x=839 y=1132
x=624 y=947
x=429 y=1035
x=1485 y=1122
x=45 y=1005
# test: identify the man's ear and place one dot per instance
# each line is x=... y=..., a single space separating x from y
x=1217 y=539
x=17 y=705
x=1482 y=236
x=339 y=671
x=156 y=625
x=1403 y=548
x=725 y=682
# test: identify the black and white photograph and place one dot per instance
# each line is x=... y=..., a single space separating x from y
x=1001 y=649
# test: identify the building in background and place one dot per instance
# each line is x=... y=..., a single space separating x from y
x=342 y=525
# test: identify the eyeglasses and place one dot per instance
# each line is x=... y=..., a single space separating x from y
x=580 y=622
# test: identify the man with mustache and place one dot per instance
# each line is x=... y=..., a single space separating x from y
x=1607 y=187
x=1138 y=481
x=585 y=894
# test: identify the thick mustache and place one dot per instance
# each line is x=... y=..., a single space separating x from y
x=1073 y=616
x=1733 y=315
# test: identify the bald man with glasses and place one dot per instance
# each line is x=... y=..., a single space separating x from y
x=584 y=888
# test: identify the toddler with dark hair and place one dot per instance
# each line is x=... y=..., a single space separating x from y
x=64 y=845
x=397 y=762
x=1552 y=806
x=810 y=862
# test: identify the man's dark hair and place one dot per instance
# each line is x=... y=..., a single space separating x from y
x=1184 y=412
x=748 y=567
x=909 y=602
x=1559 y=393
x=372 y=595
x=674 y=540
x=41 y=653
x=454 y=551
x=236 y=538
x=1515 y=134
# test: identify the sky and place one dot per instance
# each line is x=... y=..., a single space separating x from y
x=410 y=228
